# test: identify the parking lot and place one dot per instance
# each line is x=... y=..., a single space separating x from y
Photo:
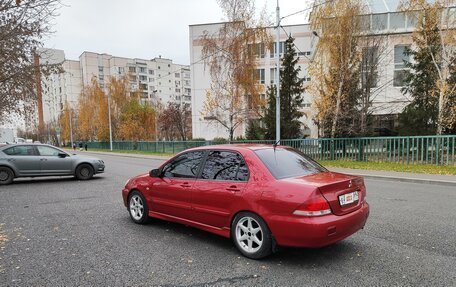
x=61 y=231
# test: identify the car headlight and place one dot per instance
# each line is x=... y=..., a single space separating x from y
x=127 y=182
x=100 y=161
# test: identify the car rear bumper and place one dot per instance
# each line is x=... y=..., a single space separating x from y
x=314 y=232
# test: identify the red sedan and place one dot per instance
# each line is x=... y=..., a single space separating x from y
x=258 y=195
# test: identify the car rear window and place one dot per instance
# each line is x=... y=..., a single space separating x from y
x=288 y=162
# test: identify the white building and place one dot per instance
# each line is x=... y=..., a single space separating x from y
x=158 y=78
x=383 y=20
x=59 y=88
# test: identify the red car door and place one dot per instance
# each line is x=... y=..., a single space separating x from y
x=170 y=194
x=217 y=191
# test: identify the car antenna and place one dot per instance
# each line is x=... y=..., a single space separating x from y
x=275 y=144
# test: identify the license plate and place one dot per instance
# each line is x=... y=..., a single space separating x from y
x=348 y=198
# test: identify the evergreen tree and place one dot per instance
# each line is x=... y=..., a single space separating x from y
x=421 y=114
x=254 y=131
x=291 y=89
x=269 y=118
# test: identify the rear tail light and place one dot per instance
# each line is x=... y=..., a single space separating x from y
x=315 y=206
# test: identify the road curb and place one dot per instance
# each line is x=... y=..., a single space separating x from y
x=406 y=179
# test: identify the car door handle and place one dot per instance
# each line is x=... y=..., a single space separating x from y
x=43 y=159
x=11 y=159
x=233 y=188
x=185 y=184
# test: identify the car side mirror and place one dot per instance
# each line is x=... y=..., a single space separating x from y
x=62 y=154
x=155 y=173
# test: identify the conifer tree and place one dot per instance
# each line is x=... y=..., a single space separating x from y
x=291 y=89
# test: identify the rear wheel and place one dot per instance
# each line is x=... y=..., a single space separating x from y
x=137 y=207
x=84 y=171
x=251 y=235
x=6 y=175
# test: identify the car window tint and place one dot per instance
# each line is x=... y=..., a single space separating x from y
x=20 y=150
x=184 y=166
x=224 y=165
x=288 y=162
x=48 y=151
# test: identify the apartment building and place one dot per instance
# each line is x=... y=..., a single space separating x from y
x=383 y=20
x=158 y=79
x=59 y=88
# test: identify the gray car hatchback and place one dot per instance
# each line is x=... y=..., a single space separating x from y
x=34 y=160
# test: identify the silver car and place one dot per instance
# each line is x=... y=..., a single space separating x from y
x=33 y=160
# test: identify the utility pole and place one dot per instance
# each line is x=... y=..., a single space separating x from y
x=109 y=114
x=71 y=127
x=278 y=75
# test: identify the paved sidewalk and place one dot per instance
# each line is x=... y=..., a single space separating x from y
x=375 y=174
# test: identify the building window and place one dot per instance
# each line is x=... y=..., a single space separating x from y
x=272 y=75
x=369 y=64
x=259 y=76
x=152 y=88
x=178 y=90
x=142 y=78
x=100 y=69
x=187 y=75
x=397 y=20
x=142 y=86
x=187 y=91
x=177 y=75
x=159 y=67
x=151 y=72
x=151 y=80
x=132 y=69
x=274 y=49
x=101 y=77
x=120 y=70
x=379 y=22
x=177 y=82
x=187 y=82
x=400 y=69
x=132 y=78
x=142 y=69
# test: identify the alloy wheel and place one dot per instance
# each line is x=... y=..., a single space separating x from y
x=136 y=207
x=249 y=234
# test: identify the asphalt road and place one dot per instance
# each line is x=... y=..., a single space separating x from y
x=64 y=232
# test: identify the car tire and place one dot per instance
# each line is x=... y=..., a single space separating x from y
x=251 y=235
x=84 y=171
x=137 y=208
x=6 y=175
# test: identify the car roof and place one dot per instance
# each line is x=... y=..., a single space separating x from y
x=237 y=147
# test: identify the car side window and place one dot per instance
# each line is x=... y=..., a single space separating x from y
x=48 y=151
x=225 y=165
x=184 y=166
x=20 y=150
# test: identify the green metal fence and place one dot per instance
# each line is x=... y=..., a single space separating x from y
x=437 y=150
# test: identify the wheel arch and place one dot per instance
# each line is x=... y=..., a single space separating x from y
x=15 y=173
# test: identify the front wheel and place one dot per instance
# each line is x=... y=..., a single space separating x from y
x=251 y=235
x=137 y=207
x=84 y=171
x=6 y=175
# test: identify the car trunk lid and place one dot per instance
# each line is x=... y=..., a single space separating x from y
x=333 y=186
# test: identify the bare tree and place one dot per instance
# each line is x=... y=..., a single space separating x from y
x=23 y=23
x=231 y=56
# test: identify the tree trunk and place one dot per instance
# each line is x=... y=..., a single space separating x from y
x=440 y=115
x=336 y=114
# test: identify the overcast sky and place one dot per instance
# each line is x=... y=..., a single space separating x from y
x=144 y=28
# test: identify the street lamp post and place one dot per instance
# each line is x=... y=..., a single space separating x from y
x=71 y=127
x=278 y=75
x=109 y=115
